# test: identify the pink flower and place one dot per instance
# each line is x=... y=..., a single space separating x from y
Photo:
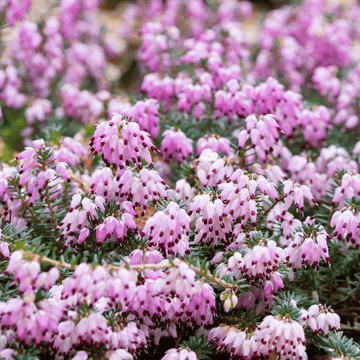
x=4 y=249
x=283 y=335
x=176 y=144
x=179 y=354
x=168 y=230
x=120 y=141
x=215 y=143
x=307 y=249
x=320 y=318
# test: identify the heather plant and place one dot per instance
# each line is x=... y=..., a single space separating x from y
x=213 y=213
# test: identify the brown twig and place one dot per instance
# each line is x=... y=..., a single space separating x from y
x=138 y=267
x=83 y=185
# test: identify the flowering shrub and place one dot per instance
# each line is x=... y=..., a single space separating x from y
x=213 y=213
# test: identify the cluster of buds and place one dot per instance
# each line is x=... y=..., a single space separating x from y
x=177 y=354
x=212 y=223
x=70 y=151
x=168 y=230
x=239 y=193
x=183 y=191
x=240 y=344
x=176 y=144
x=81 y=104
x=27 y=274
x=75 y=226
x=15 y=10
x=10 y=85
x=295 y=193
x=114 y=227
x=195 y=300
x=104 y=183
x=32 y=323
x=288 y=223
x=349 y=187
x=314 y=124
x=215 y=143
x=263 y=133
x=154 y=51
x=307 y=248
x=40 y=52
x=120 y=141
x=191 y=97
x=38 y=110
x=335 y=158
x=346 y=223
x=161 y=89
x=283 y=335
x=261 y=299
x=259 y=262
x=37 y=174
x=304 y=171
x=320 y=318
x=12 y=205
x=326 y=82
x=84 y=59
x=144 y=112
x=232 y=101
x=78 y=20
x=138 y=187
x=211 y=169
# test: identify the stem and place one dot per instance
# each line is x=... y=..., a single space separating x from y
x=138 y=267
x=271 y=207
x=83 y=185
x=48 y=202
x=26 y=204
x=65 y=198
x=180 y=338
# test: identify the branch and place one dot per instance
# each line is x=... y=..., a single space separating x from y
x=26 y=204
x=138 y=267
x=48 y=203
x=83 y=185
x=271 y=207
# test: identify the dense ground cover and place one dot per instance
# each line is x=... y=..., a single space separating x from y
x=211 y=213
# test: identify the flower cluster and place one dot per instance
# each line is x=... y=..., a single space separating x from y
x=112 y=249
x=213 y=223
x=168 y=230
x=307 y=249
x=238 y=343
x=176 y=144
x=282 y=335
x=120 y=142
x=320 y=318
x=263 y=133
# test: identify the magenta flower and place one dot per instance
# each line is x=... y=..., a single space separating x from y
x=211 y=169
x=320 y=318
x=215 y=143
x=307 y=249
x=283 y=335
x=212 y=223
x=168 y=230
x=120 y=141
x=176 y=144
